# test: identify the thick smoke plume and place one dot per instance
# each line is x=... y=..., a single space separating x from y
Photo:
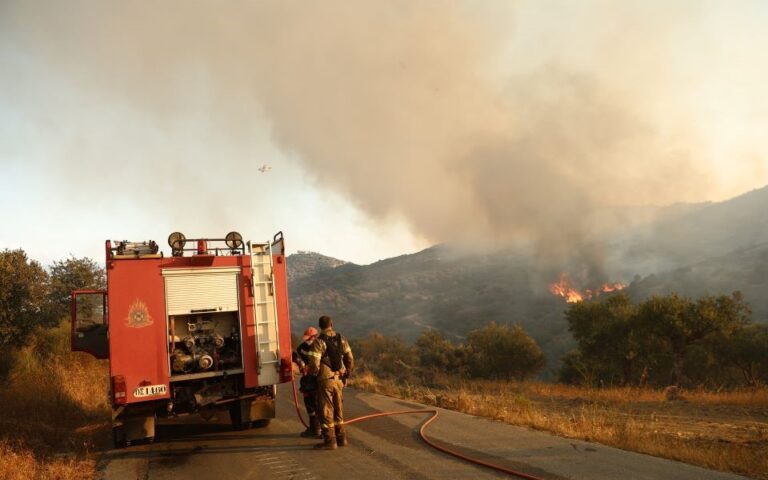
x=420 y=110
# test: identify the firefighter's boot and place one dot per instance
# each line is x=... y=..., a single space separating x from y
x=313 y=430
x=341 y=437
x=310 y=433
x=329 y=441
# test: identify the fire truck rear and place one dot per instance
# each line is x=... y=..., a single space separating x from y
x=204 y=330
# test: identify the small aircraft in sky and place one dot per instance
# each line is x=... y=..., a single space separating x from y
x=264 y=168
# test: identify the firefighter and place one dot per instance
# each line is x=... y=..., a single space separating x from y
x=332 y=361
x=308 y=383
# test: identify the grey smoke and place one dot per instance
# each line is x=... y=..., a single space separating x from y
x=401 y=106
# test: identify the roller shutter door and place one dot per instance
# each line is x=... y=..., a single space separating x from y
x=191 y=290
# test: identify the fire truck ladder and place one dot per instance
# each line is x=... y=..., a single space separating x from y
x=265 y=311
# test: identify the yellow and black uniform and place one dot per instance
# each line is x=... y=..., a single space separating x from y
x=331 y=360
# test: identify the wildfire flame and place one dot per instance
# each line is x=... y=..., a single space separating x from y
x=564 y=288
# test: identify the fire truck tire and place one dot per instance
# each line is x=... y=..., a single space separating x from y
x=118 y=437
x=248 y=413
x=241 y=426
x=263 y=423
x=236 y=417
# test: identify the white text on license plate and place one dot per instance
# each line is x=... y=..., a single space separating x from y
x=150 y=390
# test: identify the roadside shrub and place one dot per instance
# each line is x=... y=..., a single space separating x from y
x=503 y=352
x=387 y=356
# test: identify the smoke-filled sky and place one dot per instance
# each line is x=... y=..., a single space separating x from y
x=389 y=125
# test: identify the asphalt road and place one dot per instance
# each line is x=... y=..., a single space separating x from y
x=382 y=448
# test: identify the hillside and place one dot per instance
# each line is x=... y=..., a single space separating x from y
x=705 y=249
x=439 y=287
x=305 y=264
x=745 y=270
x=683 y=234
x=710 y=248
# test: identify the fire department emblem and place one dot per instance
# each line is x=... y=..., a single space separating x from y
x=138 y=315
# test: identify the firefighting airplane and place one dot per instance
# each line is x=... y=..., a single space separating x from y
x=264 y=168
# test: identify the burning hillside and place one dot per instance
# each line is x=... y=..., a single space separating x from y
x=565 y=288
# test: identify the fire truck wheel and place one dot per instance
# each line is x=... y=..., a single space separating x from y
x=236 y=417
x=242 y=413
x=263 y=423
x=118 y=437
x=241 y=425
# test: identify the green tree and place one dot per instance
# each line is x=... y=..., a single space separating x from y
x=679 y=323
x=747 y=350
x=503 y=352
x=24 y=297
x=73 y=274
x=574 y=370
x=608 y=349
x=385 y=355
x=436 y=351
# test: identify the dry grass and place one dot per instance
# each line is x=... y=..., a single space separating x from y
x=55 y=411
x=726 y=431
x=744 y=397
x=21 y=463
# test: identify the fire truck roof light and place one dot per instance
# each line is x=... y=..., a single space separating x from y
x=234 y=240
x=177 y=240
x=178 y=243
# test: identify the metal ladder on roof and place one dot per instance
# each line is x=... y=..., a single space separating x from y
x=265 y=312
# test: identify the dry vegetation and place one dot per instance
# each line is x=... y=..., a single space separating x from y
x=55 y=411
x=726 y=431
x=56 y=416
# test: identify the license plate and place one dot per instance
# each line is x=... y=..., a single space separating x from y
x=150 y=390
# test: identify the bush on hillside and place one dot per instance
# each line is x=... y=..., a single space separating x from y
x=494 y=351
x=665 y=340
x=389 y=356
x=24 y=298
x=503 y=352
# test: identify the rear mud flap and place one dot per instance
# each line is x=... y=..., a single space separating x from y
x=252 y=412
x=129 y=430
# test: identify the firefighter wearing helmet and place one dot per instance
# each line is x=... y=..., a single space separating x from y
x=331 y=360
x=308 y=383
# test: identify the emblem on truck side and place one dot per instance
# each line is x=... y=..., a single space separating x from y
x=138 y=315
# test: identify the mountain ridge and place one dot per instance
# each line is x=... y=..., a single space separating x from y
x=709 y=248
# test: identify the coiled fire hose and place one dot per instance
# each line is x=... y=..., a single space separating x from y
x=422 y=434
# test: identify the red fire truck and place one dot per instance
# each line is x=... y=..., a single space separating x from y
x=202 y=330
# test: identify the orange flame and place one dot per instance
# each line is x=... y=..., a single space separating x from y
x=565 y=288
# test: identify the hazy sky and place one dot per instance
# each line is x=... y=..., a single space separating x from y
x=389 y=126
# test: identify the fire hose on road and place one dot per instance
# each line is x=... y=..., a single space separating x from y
x=434 y=412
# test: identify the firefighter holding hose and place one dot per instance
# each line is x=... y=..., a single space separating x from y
x=308 y=383
x=331 y=360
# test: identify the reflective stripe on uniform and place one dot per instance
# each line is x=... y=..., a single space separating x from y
x=315 y=354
